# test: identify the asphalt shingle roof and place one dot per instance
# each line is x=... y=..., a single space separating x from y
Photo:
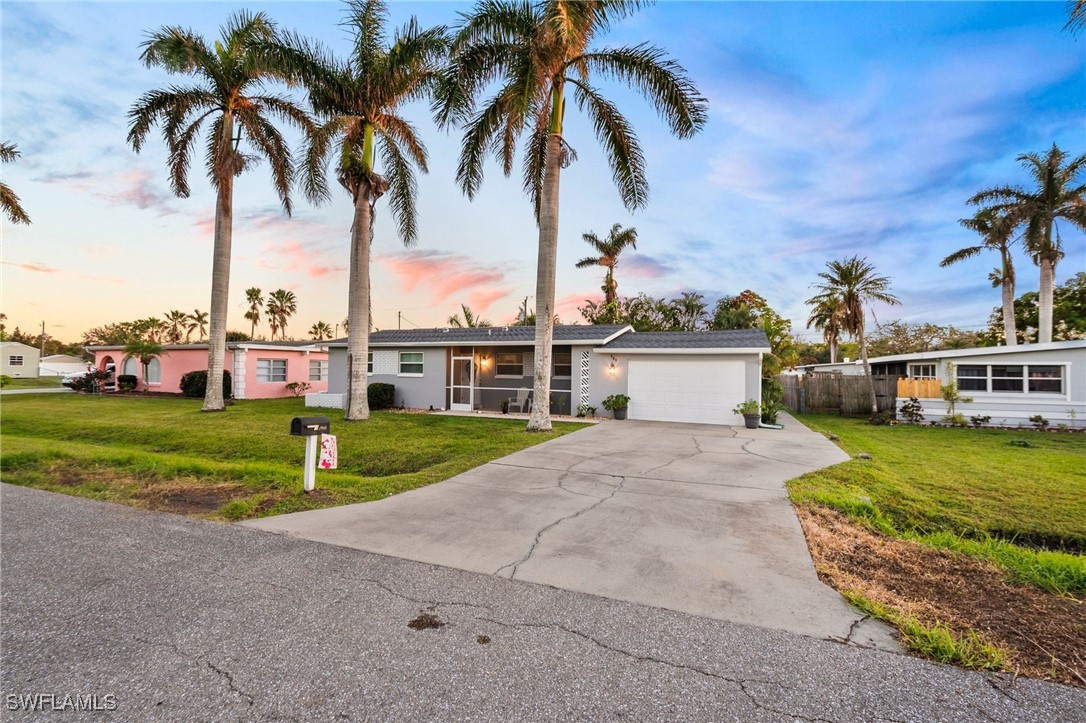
x=482 y=335
x=732 y=339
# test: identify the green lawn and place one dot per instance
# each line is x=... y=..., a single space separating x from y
x=1023 y=508
x=39 y=383
x=240 y=463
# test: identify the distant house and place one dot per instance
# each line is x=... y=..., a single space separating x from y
x=18 y=360
x=1010 y=384
x=57 y=365
x=670 y=376
x=259 y=369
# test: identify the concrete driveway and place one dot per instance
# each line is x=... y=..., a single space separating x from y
x=693 y=518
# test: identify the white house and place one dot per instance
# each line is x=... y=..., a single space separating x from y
x=1009 y=384
x=58 y=365
x=18 y=360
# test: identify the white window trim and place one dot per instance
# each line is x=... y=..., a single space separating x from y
x=1065 y=378
x=934 y=370
x=509 y=376
x=271 y=367
x=322 y=370
x=153 y=384
x=400 y=363
x=369 y=363
x=20 y=363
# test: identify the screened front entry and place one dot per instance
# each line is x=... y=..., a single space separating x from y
x=463 y=378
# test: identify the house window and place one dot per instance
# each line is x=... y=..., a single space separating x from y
x=154 y=372
x=271 y=370
x=922 y=371
x=1047 y=378
x=563 y=364
x=15 y=360
x=318 y=371
x=973 y=378
x=129 y=366
x=509 y=364
x=411 y=363
x=1007 y=379
x=369 y=364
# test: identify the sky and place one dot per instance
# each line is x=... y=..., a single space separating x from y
x=834 y=129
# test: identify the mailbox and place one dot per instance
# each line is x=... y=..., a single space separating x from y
x=309 y=426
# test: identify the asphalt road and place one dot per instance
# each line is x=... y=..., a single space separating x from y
x=177 y=619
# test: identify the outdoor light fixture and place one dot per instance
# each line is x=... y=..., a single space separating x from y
x=612 y=370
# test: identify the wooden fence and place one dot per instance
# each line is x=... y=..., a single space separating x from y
x=920 y=388
x=838 y=393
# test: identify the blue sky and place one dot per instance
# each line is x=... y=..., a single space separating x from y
x=835 y=128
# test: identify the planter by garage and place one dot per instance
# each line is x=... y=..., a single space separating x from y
x=620 y=413
x=752 y=420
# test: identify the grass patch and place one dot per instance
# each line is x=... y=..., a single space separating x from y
x=39 y=383
x=967 y=490
x=164 y=453
x=937 y=641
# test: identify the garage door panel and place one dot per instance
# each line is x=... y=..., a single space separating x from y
x=686 y=390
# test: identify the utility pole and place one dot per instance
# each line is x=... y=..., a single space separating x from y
x=399 y=317
x=42 y=352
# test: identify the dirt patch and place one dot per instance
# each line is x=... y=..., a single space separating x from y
x=482 y=639
x=1045 y=633
x=195 y=499
x=426 y=621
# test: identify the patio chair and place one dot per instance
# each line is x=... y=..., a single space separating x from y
x=521 y=400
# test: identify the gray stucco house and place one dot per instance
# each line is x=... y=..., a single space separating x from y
x=670 y=376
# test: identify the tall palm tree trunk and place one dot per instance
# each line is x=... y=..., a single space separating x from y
x=540 y=420
x=252 y=331
x=867 y=371
x=1044 y=311
x=1010 y=333
x=358 y=309
x=833 y=351
x=220 y=280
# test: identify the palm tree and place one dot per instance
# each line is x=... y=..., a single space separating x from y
x=469 y=321
x=690 y=310
x=255 y=298
x=608 y=252
x=850 y=285
x=8 y=200
x=281 y=306
x=996 y=233
x=176 y=321
x=145 y=350
x=535 y=52
x=320 y=331
x=197 y=321
x=1076 y=16
x=1056 y=197
x=230 y=77
x=359 y=100
x=826 y=317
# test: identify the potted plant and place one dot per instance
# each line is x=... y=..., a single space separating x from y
x=617 y=404
x=505 y=406
x=751 y=411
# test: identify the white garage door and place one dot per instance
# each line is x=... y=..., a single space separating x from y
x=687 y=390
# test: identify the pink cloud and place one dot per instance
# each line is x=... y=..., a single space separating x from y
x=448 y=277
x=41 y=268
x=131 y=187
x=567 y=306
x=318 y=271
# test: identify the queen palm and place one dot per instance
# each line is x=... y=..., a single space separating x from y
x=535 y=52
x=996 y=234
x=1058 y=195
x=198 y=322
x=176 y=322
x=9 y=202
x=826 y=317
x=853 y=284
x=608 y=251
x=281 y=306
x=359 y=101
x=229 y=89
x=320 y=331
x=145 y=350
x=469 y=321
x=254 y=297
x=690 y=310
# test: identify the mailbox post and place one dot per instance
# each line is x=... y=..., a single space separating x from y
x=311 y=428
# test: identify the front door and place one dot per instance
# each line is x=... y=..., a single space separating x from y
x=463 y=377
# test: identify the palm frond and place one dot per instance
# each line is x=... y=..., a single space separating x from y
x=366 y=20
x=271 y=145
x=620 y=143
x=961 y=255
x=11 y=205
x=588 y=261
x=402 y=187
x=406 y=136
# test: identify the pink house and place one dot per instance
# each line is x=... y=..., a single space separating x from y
x=259 y=369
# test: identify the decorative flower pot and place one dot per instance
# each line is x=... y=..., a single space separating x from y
x=752 y=420
x=620 y=413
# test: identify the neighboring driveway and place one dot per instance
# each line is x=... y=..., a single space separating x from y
x=41 y=390
x=687 y=517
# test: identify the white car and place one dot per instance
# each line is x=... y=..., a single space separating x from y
x=69 y=378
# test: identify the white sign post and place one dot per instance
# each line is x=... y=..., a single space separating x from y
x=310 y=463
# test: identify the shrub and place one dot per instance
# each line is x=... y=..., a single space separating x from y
x=616 y=401
x=91 y=382
x=4 y=380
x=956 y=420
x=297 y=389
x=912 y=411
x=882 y=418
x=772 y=399
x=1038 y=421
x=127 y=382
x=381 y=395
x=586 y=410
x=748 y=407
x=194 y=384
x=979 y=420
